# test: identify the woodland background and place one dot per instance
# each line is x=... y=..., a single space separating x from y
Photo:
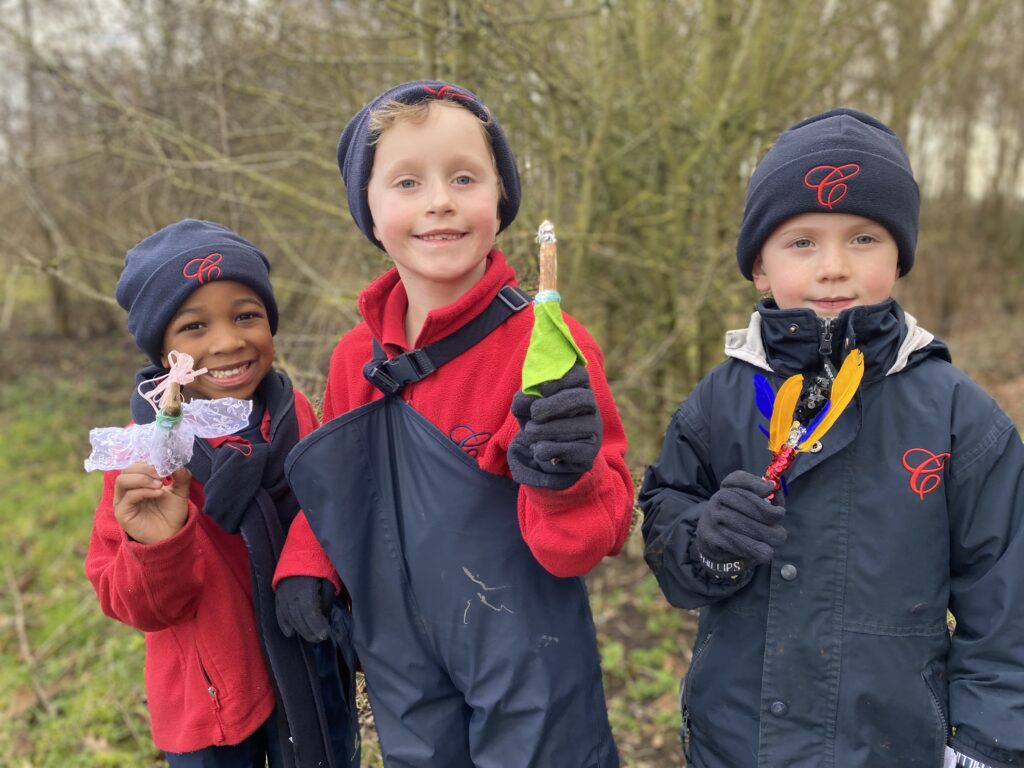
x=635 y=123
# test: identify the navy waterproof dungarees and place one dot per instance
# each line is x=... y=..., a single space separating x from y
x=474 y=655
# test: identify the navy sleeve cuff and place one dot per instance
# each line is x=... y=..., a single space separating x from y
x=726 y=571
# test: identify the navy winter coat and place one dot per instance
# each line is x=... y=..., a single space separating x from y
x=837 y=653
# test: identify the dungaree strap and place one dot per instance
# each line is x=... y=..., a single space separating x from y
x=390 y=376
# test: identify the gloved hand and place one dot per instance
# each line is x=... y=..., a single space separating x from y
x=303 y=605
x=739 y=525
x=560 y=432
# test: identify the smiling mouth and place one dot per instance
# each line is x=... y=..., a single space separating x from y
x=440 y=237
x=229 y=373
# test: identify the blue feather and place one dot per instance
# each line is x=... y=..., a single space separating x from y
x=764 y=396
x=816 y=421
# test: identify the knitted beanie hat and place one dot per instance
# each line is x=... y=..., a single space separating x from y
x=163 y=270
x=356 y=148
x=840 y=161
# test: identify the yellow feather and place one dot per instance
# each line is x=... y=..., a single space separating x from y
x=843 y=390
x=782 y=412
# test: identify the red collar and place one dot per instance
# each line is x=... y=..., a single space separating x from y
x=383 y=304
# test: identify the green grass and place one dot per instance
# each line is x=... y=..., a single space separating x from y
x=73 y=678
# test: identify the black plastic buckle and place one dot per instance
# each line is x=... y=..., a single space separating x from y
x=390 y=376
x=410 y=366
x=375 y=374
x=513 y=299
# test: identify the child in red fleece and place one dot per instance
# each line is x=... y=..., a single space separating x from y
x=189 y=563
x=460 y=512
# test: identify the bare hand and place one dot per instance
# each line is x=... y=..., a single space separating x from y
x=148 y=510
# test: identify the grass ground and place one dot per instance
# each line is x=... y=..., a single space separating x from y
x=73 y=678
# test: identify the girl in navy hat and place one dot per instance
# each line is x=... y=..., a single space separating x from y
x=188 y=560
x=460 y=513
x=823 y=637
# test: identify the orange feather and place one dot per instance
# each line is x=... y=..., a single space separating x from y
x=782 y=414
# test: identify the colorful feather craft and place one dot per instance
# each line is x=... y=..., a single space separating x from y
x=787 y=436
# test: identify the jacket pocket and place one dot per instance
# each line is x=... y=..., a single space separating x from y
x=213 y=690
x=686 y=690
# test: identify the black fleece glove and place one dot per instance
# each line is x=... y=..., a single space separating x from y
x=560 y=432
x=739 y=525
x=304 y=605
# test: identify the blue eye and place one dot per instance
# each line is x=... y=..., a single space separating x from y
x=865 y=239
x=407 y=183
x=803 y=242
x=463 y=180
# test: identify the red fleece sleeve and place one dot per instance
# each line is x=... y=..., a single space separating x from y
x=302 y=554
x=146 y=586
x=570 y=531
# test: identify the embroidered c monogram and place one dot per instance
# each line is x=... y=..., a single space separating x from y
x=447 y=91
x=926 y=474
x=827 y=181
x=469 y=439
x=203 y=268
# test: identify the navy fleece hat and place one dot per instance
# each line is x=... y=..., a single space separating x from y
x=840 y=161
x=356 y=148
x=163 y=270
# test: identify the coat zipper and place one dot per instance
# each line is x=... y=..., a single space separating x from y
x=825 y=327
x=693 y=663
x=938 y=710
x=212 y=692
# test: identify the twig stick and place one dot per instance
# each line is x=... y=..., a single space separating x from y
x=548 y=257
x=170 y=404
x=24 y=646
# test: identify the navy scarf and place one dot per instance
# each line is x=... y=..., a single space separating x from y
x=247 y=493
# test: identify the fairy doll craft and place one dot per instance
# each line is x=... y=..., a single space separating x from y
x=167 y=441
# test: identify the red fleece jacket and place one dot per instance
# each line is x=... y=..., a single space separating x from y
x=468 y=399
x=206 y=680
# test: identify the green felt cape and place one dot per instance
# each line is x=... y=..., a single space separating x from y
x=552 y=351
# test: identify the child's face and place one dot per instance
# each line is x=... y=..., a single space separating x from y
x=223 y=325
x=433 y=194
x=828 y=262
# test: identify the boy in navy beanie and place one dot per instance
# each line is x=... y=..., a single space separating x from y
x=823 y=637
x=460 y=512
x=189 y=559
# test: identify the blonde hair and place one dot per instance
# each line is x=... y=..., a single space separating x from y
x=392 y=112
